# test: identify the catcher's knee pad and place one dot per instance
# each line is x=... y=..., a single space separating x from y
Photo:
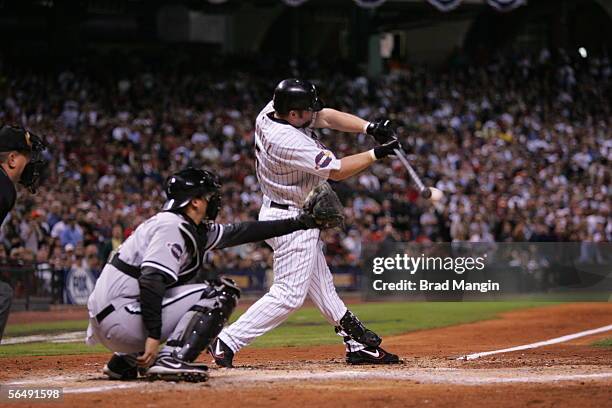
x=205 y=319
x=353 y=328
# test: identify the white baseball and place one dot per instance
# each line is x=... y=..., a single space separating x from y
x=436 y=195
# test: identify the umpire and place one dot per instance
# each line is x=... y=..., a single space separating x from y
x=20 y=161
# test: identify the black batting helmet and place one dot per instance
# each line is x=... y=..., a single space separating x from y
x=296 y=94
x=183 y=186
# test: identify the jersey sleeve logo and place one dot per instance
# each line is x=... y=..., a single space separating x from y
x=323 y=159
x=175 y=250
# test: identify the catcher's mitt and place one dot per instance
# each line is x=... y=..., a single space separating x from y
x=322 y=208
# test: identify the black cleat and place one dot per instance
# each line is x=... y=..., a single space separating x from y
x=168 y=368
x=372 y=355
x=221 y=353
x=121 y=367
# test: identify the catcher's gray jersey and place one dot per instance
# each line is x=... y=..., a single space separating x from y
x=290 y=162
x=173 y=245
x=165 y=242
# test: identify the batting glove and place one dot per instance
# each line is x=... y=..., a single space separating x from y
x=387 y=149
x=381 y=131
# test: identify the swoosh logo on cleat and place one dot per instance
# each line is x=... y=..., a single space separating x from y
x=218 y=352
x=174 y=365
x=375 y=355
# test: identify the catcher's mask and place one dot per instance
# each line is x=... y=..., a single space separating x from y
x=183 y=186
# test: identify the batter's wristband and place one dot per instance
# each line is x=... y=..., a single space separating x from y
x=365 y=127
x=372 y=154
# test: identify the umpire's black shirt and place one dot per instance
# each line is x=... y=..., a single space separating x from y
x=8 y=195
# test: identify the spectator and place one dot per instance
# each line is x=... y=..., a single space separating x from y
x=72 y=234
x=93 y=262
x=522 y=150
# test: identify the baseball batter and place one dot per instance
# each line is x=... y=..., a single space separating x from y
x=143 y=298
x=290 y=161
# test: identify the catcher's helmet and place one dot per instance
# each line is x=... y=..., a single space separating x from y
x=183 y=186
x=296 y=94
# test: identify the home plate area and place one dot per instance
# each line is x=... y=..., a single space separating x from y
x=530 y=367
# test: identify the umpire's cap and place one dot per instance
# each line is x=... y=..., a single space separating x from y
x=183 y=186
x=18 y=139
x=14 y=138
x=296 y=94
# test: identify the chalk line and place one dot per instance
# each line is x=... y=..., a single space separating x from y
x=102 y=388
x=67 y=337
x=538 y=344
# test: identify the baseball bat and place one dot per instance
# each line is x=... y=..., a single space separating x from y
x=425 y=192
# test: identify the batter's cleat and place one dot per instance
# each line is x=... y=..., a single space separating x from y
x=221 y=353
x=121 y=367
x=371 y=355
x=168 y=368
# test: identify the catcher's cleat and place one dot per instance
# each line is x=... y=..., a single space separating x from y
x=121 y=367
x=371 y=355
x=168 y=368
x=221 y=353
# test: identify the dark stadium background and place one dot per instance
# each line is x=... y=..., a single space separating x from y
x=508 y=113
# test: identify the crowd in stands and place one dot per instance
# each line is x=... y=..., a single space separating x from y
x=520 y=145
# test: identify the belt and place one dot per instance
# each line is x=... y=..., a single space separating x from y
x=128 y=269
x=279 y=206
x=105 y=312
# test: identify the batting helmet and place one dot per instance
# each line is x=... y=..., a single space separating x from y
x=296 y=94
x=183 y=186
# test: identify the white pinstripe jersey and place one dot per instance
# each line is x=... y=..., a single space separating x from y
x=290 y=161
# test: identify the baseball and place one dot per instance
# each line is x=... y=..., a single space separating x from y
x=436 y=195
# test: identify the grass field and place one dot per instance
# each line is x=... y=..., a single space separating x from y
x=603 y=343
x=305 y=327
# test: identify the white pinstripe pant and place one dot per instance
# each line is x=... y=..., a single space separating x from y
x=300 y=270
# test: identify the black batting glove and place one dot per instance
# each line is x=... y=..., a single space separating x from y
x=387 y=149
x=381 y=131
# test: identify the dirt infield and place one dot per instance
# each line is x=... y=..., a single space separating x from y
x=72 y=313
x=571 y=374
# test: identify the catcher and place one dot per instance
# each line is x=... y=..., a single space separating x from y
x=143 y=298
